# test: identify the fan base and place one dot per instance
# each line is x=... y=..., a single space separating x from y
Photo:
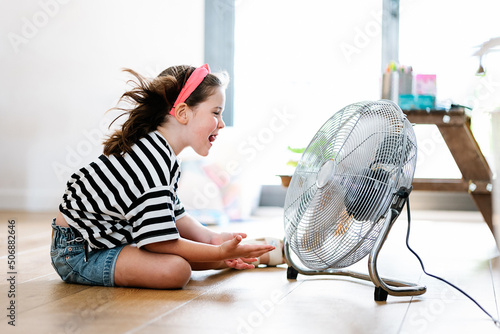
x=291 y=273
x=380 y=294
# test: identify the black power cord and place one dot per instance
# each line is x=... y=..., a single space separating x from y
x=496 y=321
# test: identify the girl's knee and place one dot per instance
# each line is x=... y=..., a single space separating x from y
x=184 y=273
x=177 y=274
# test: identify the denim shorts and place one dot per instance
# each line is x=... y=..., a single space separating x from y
x=68 y=259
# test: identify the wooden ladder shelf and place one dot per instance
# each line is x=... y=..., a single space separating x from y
x=454 y=126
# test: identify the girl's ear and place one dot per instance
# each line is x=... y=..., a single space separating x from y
x=181 y=114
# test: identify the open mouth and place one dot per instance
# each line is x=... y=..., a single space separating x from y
x=212 y=138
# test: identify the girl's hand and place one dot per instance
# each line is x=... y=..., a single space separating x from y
x=240 y=263
x=232 y=249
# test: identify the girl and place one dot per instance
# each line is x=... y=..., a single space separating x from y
x=120 y=222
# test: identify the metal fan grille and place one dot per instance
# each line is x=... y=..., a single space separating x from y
x=345 y=182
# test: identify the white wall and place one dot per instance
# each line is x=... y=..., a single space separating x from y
x=60 y=71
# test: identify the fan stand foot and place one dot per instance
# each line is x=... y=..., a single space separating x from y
x=291 y=273
x=380 y=294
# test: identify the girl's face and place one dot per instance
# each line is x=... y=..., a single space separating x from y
x=205 y=121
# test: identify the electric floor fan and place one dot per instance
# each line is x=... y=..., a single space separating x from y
x=347 y=191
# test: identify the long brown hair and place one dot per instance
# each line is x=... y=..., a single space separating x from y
x=151 y=101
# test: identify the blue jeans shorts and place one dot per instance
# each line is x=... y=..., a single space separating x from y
x=68 y=259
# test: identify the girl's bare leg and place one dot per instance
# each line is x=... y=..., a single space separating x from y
x=139 y=268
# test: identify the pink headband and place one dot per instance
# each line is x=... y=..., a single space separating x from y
x=192 y=82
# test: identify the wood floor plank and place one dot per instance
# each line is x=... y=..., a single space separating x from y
x=61 y=307
x=457 y=246
x=336 y=305
x=227 y=307
x=446 y=316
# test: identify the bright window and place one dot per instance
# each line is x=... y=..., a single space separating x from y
x=296 y=63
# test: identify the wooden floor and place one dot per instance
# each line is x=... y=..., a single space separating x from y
x=455 y=245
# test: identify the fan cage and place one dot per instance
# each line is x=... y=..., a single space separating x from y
x=346 y=181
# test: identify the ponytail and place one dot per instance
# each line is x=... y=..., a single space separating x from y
x=151 y=101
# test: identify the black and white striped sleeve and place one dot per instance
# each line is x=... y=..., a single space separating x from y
x=153 y=216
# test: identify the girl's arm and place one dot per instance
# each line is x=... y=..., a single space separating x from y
x=190 y=228
x=199 y=252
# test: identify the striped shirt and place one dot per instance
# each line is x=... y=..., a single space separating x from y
x=126 y=199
